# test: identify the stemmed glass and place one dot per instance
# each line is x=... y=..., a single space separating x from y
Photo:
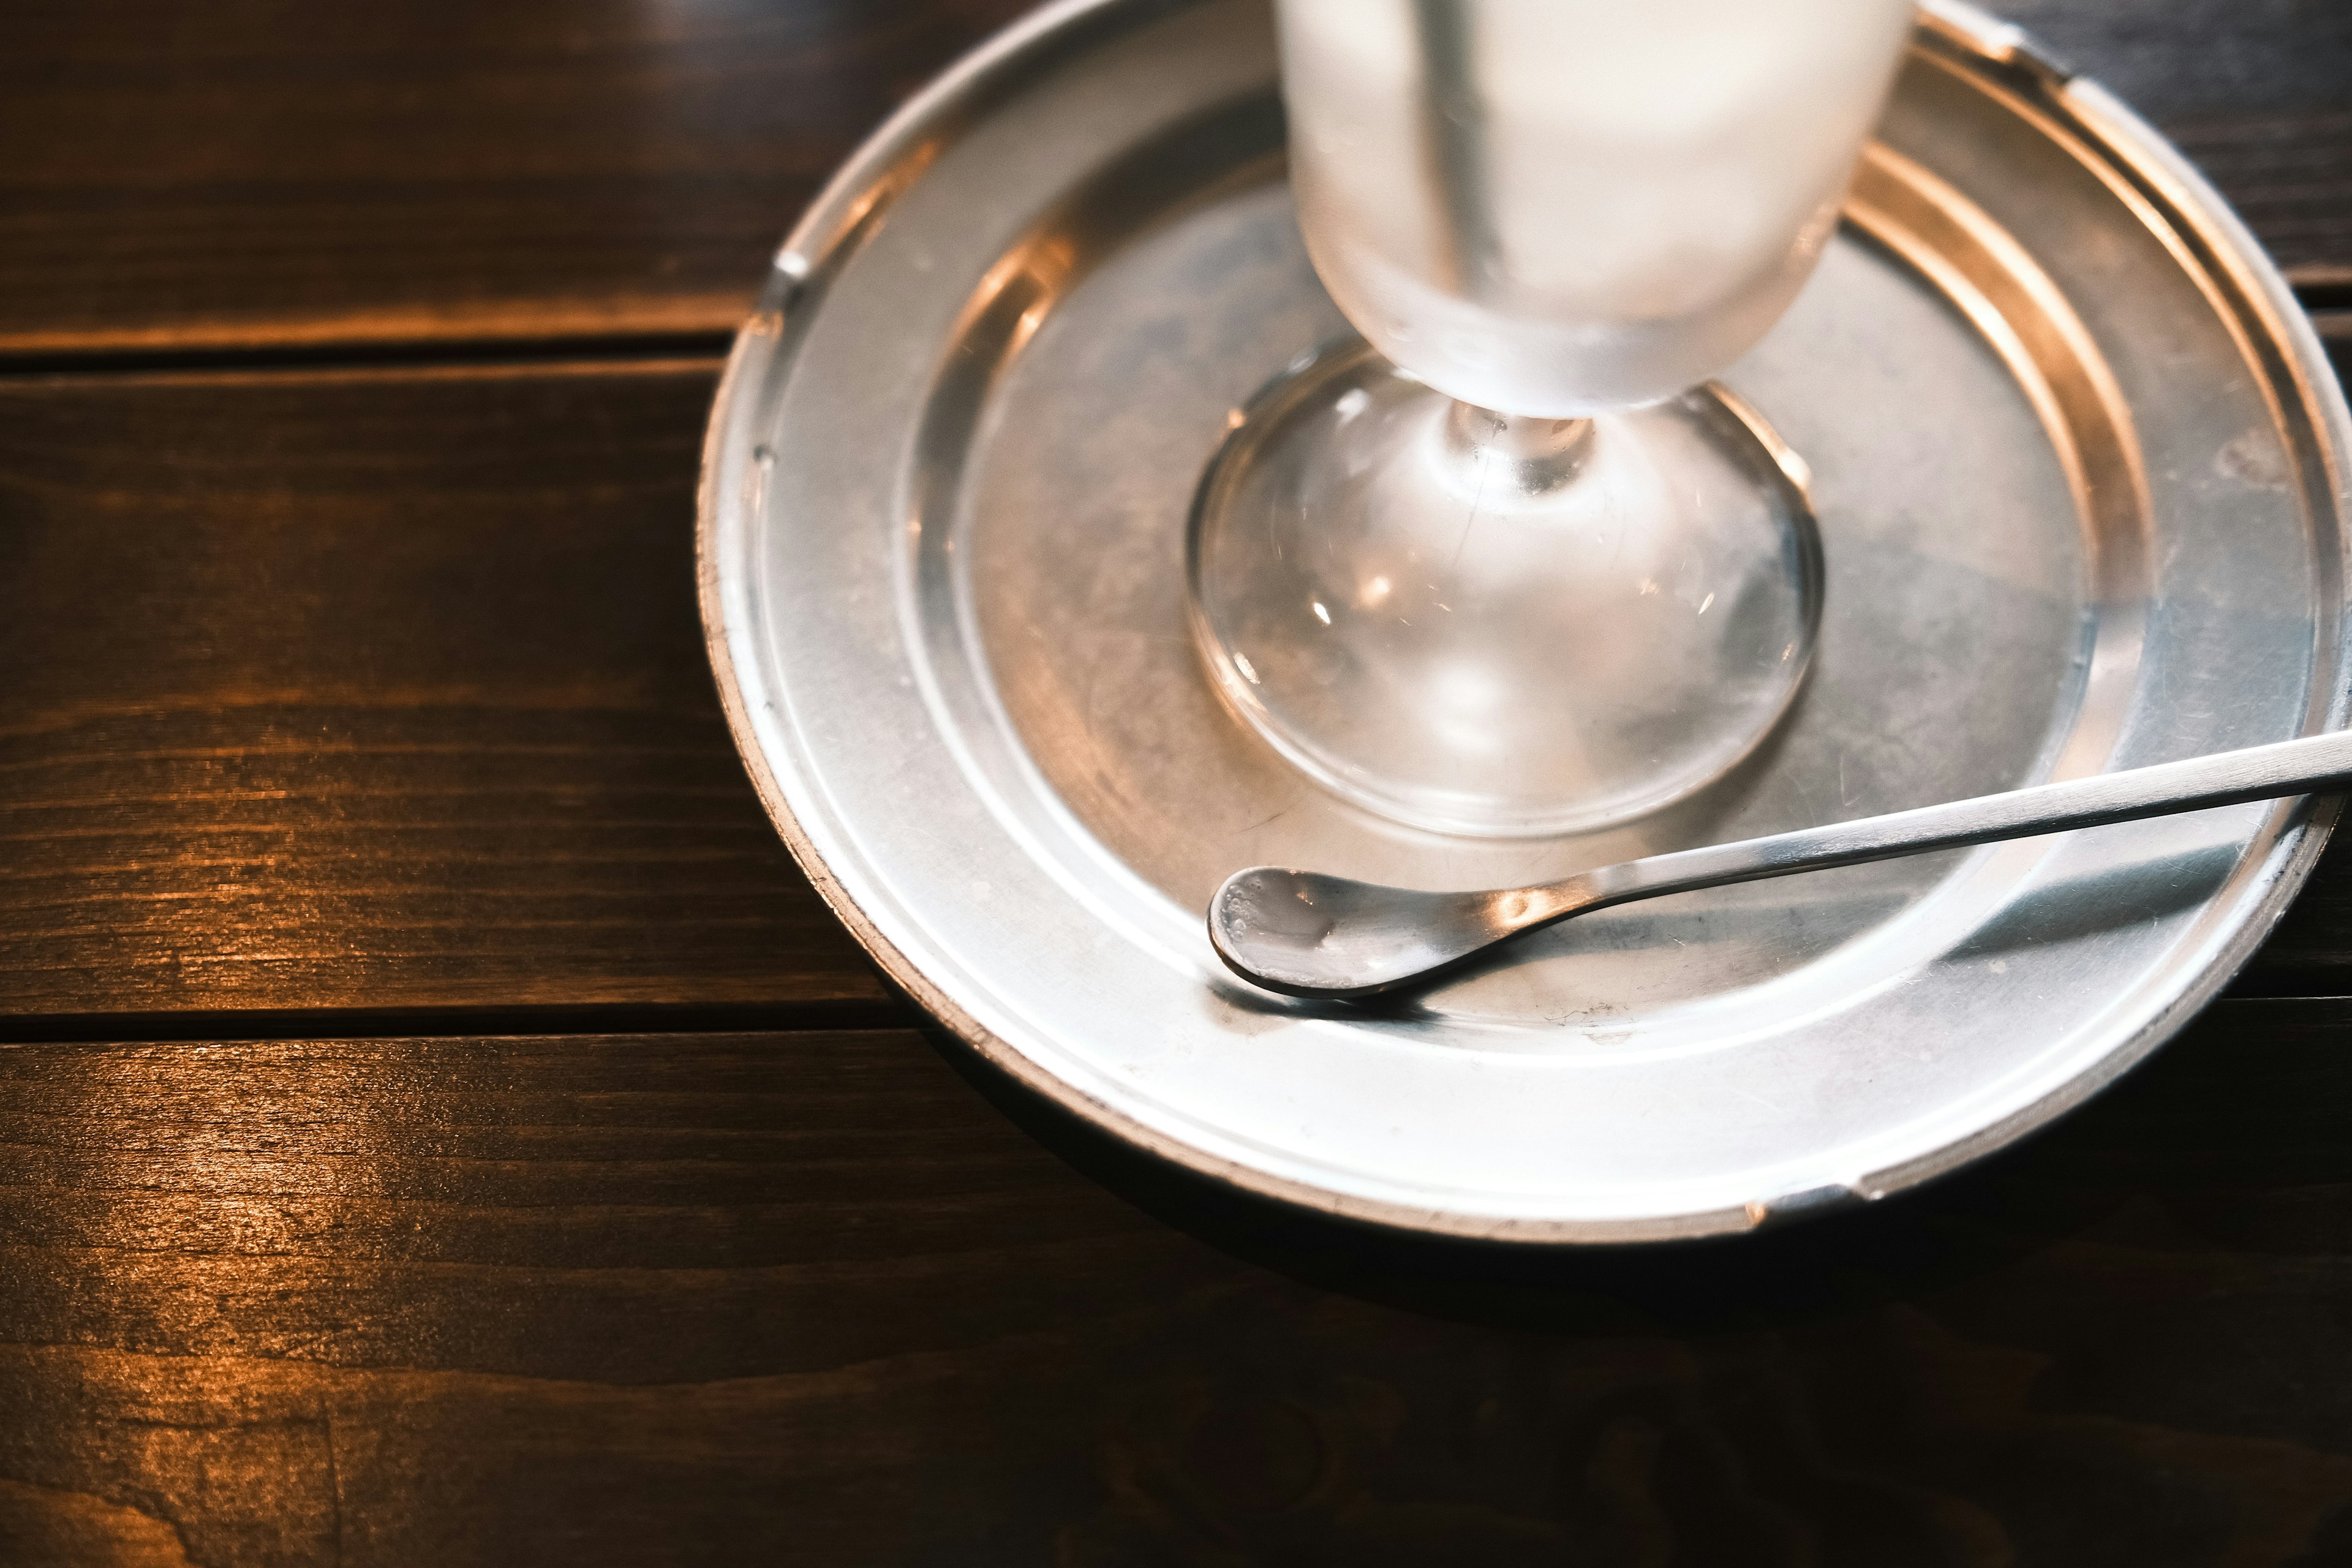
x=1509 y=565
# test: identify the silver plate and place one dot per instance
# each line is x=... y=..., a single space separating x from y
x=2079 y=466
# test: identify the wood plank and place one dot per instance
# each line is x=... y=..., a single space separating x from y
x=386 y=690
x=379 y=690
x=725 y=1299
x=259 y=173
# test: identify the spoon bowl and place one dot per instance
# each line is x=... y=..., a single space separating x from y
x=1305 y=934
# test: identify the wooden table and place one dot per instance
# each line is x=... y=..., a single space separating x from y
x=438 y=1125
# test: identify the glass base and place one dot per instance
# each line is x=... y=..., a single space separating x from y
x=1495 y=627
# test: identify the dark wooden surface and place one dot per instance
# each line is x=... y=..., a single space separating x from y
x=804 y=1297
x=333 y=690
x=237 y=174
x=437 y=1124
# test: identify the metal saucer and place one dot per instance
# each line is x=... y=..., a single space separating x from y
x=2079 y=468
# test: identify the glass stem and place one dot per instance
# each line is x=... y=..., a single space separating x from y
x=1544 y=454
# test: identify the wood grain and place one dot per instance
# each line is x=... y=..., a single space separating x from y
x=379 y=690
x=253 y=173
x=260 y=171
x=722 y=1298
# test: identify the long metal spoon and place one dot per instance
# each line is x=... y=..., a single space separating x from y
x=1308 y=934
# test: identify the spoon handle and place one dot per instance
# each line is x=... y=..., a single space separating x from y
x=2313 y=764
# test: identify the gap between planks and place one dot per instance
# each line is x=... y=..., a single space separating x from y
x=597 y=352
x=459 y=1022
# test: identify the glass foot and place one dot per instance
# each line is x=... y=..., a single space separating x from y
x=1498 y=627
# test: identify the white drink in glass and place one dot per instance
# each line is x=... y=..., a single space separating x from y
x=1655 y=179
